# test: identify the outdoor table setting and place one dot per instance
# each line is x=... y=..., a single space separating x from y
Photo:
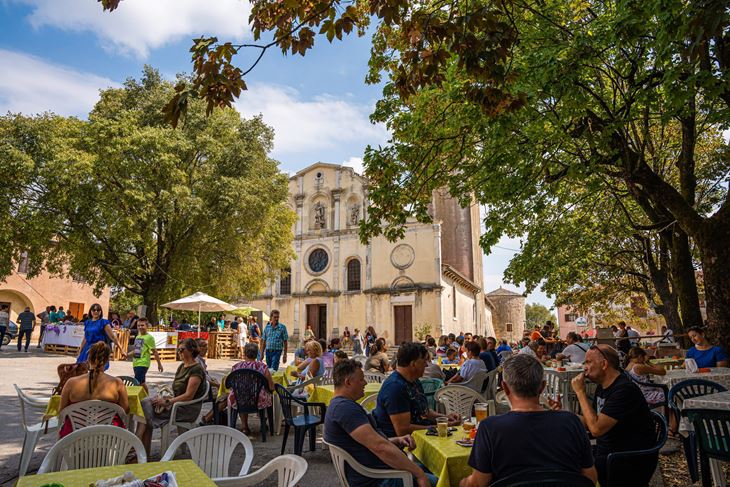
x=720 y=400
x=325 y=394
x=187 y=474
x=721 y=375
x=134 y=393
x=668 y=363
x=565 y=376
x=443 y=456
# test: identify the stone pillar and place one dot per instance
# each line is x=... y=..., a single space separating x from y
x=299 y=200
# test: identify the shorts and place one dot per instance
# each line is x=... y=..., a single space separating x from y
x=140 y=373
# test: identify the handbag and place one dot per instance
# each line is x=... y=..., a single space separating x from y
x=67 y=371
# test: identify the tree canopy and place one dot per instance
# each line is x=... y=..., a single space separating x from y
x=537 y=314
x=125 y=200
x=518 y=103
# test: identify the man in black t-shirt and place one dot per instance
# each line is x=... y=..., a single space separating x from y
x=619 y=417
x=528 y=437
x=350 y=427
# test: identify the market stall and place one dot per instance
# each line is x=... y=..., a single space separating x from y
x=66 y=340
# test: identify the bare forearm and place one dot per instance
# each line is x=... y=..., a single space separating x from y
x=394 y=458
x=590 y=417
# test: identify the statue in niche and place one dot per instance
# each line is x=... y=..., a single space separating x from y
x=354 y=215
x=319 y=218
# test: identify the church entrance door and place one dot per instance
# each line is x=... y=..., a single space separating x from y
x=317 y=318
x=403 y=323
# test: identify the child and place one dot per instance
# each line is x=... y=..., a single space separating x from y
x=450 y=357
x=144 y=346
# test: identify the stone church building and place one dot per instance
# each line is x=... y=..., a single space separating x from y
x=431 y=279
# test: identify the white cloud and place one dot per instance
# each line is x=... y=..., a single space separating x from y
x=356 y=163
x=309 y=125
x=32 y=85
x=138 y=26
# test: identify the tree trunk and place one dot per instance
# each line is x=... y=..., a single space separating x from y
x=684 y=280
x=715 y=249
x=659 y=276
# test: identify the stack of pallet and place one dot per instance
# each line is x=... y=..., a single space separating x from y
x=224 y=345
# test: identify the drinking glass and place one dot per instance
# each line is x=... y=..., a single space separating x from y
x=442 y=426
x=481 y=411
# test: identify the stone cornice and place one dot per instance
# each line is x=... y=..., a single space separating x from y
x=457 y=276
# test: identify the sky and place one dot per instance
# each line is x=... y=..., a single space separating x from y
x=55 y=55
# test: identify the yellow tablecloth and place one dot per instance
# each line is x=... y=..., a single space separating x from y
x=443 y=457
x=326 y=393
x=135 y=394
x=449 y=366
x=187 y=474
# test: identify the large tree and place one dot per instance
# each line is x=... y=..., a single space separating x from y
x=125 y=200
x=511 y=97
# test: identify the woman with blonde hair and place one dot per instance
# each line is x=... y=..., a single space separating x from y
x=97 y=384
x=312 y=366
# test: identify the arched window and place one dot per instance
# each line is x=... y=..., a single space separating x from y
x=353 y=275
x=285 y=282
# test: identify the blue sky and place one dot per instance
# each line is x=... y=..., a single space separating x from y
x=56 y=54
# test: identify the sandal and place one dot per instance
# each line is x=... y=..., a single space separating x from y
x=246 y=431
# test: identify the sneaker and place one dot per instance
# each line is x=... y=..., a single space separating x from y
x=26 y=350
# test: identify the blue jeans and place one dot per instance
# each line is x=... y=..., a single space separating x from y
x=273 y=357
x=27 y=338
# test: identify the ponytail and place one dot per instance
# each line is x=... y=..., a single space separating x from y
x=98 y=359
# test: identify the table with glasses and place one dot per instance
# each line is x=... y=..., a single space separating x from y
x=135 y=394
x=326 y=393
x=187 y=474
x=721 y=375
x=443 y=457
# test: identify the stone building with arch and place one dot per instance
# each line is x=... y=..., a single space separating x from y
x=432 y=277
x=18 y=291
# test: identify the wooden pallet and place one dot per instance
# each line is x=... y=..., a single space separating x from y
x=224 y=344
x=167 y=354
x=61 y=349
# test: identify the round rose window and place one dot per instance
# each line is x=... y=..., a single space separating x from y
x=318 y=260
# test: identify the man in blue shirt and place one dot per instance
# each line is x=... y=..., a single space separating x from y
x=348 y=426
x=402 y=406
x=26 y=319
x=274 y=341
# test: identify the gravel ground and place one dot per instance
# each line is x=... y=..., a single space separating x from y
x=35 y=372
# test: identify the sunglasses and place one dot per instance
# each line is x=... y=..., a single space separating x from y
x=95 y=310
x=613 y=359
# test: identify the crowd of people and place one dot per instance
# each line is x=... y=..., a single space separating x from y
x=529 y=436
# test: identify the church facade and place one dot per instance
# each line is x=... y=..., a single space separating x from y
x=428 y=282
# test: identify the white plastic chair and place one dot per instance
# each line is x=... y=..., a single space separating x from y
x=476 y=383
x=181 y=426
x=91 y=447
x=340 y=457
x=490 y=385
x=369 y=402
x=374 y=377
x=360 y=358
x=298 y=387
x=211 y=448
x=33 y=431
x=90 y=413
x=291 y=469
x=457 y=399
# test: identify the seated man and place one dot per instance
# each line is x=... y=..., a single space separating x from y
x=575 y=351
x=350 y=427
x=619 y=417
x=529 y=348
x=402 y=406
x=528 y=437
x=471 y=366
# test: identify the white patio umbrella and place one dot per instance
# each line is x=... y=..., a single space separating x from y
x=199 y=302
